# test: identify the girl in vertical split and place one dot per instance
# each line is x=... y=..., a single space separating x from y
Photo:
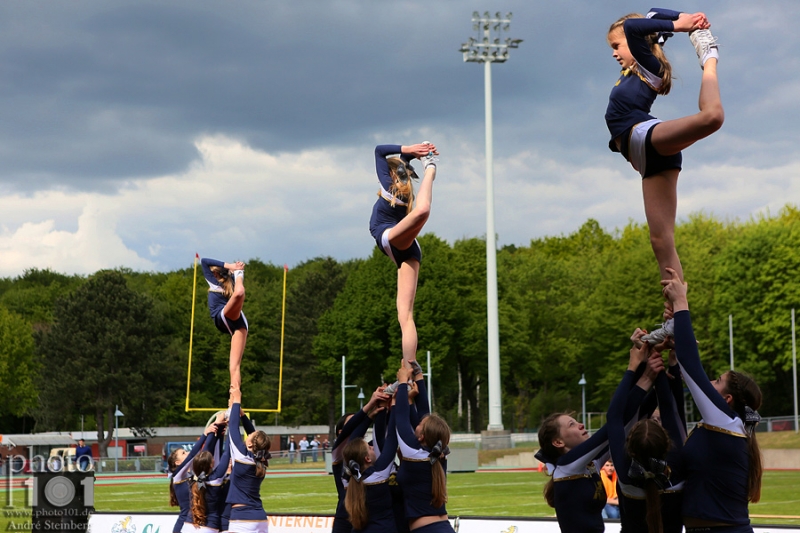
x=721 y=456
x=225 y=300
x=651 y=146
x=398 y=217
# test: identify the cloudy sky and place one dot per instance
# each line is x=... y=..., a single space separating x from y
x=134 y=133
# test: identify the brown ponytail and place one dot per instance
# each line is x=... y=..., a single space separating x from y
x=201 y=466
x=260 y=445
x=172 y=463
x=399 y=190
x=225 y=280
x=746 y=393
x=648 y=444
x=355 y=501
x=434 y=431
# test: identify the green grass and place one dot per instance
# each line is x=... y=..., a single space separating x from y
x=483 y=494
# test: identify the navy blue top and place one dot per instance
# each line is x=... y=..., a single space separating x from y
x=415 y=474
x=375 y=479
x=384 y=216
x=216 y=297
x=715 y=454
x=180 y=478
x=356 y=427
x=245 y=486
x=633 y=507
x=635 y=91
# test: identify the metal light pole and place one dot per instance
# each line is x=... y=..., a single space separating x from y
x=488 y=49
x=343 y=385
x=117 y=414
x=730 y=336
x=794 y=374
x=361 y=398
x=582 y=383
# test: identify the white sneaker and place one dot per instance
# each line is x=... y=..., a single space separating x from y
x=705 y=45
x=391 y=389
x=237 y=274
x=429 y=159
x=661 y=334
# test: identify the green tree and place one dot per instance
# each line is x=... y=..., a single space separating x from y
x=105 y=347
x=17 y=365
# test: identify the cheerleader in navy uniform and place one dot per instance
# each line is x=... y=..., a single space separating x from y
x=225 y=300
x=573 y=460
x=651 y=146
x=250 y=459
x=350 y=426
x=397 y=220
x=368 y=469
x=179 y=471
x=646 y=454
x=422 y=474
x=721 y=456
x=209 y=486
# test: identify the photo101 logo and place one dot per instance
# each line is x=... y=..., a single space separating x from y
x=57 y=494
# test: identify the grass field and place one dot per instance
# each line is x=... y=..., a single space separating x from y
x=478 y=494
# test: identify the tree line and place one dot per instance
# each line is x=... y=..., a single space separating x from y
x=79 y=345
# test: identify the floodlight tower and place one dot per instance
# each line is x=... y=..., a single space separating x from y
x=488 y=48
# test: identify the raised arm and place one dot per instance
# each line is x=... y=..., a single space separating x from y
x=712 y=406
x=389 y=449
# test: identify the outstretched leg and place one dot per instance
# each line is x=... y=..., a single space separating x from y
x=660 y=208
x=232 y=311
x=672 y=136
x=407 y=276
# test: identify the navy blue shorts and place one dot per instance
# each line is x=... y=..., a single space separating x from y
x=637 y=147
x=228 y=326
x=395 y=254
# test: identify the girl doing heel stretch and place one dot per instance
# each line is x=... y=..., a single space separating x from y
x=651 y=146
x=397 y=221
x=225 y=301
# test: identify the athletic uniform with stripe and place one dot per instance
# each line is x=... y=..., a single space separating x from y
x=244 y=494
x=181 y=482
x=217 y=300
x=633 y=507
x=355 y=428
x=384 y=216
x=715 y=454
x=415 y=474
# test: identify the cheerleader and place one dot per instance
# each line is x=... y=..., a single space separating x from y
x=179 y=471
x=350 y=426
x=721 y=456
x=573 y=460
x=250 y=459
x=423 y=468
x=210 y=486
x=646 y=454
x=225 y=301
x=368 y=469
x=397 y=220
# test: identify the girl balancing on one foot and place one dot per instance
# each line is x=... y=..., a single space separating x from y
x=651 y=146
x=225 y=301
x=397 y=220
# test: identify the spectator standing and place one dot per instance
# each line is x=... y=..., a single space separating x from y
x=314 y=445
x=83 y=456
x=292 y=450
x=303 y=449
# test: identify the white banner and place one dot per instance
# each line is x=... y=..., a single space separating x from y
x=163 y=523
